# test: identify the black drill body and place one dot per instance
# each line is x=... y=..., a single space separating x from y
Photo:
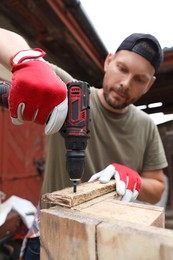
x=75 y=129
x=4 y=93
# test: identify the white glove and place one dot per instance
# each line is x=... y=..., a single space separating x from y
x=23 y=207
x=128 y=182
x=57 y=118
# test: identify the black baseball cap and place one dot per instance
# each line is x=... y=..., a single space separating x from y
x=130 y=43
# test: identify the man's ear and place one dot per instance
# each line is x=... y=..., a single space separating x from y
x=108 y=60
x=150 y=84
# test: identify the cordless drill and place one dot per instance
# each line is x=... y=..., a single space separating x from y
x=75 y=129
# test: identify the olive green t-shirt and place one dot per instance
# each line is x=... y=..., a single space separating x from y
x=130 y=138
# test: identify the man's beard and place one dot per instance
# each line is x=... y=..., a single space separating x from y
x=114 y=104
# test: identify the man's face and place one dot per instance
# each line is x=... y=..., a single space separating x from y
x=127 y=77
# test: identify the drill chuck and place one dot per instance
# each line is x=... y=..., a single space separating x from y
x=75 y=164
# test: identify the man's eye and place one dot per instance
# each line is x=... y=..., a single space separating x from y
x=122 y=69
x=141 y=80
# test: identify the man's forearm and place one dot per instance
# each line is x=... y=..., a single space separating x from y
x=151 y=190
x=10 y=44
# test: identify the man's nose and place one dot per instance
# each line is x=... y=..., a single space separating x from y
x=126 y=82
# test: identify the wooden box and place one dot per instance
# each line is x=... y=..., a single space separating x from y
x=105 y=228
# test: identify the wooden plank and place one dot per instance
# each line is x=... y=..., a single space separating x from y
x=108 y=209
x=67 y=236
x=85 y=192
x=133 y=242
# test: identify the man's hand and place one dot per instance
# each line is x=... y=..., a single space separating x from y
x=128 y=182
x=37 y=93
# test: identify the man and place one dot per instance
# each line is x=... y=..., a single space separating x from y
x=124 y=142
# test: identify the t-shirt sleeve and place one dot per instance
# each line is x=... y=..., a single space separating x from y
x=64 y=75
x=154 y=157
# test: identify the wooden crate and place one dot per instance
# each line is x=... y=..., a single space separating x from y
x=105 y=228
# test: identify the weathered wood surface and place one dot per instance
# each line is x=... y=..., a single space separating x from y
x=67 y=236
x=108 y=209
x=88 y=233
x=85 y=192
x=115 y=241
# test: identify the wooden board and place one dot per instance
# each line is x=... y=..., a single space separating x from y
x=107 y=208
x=133 y=242
x=85 y=192
x=65 y=236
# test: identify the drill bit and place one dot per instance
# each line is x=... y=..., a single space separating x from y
x=74 y=186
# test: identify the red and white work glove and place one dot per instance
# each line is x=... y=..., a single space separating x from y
x=37 y=93
x=128 y=182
